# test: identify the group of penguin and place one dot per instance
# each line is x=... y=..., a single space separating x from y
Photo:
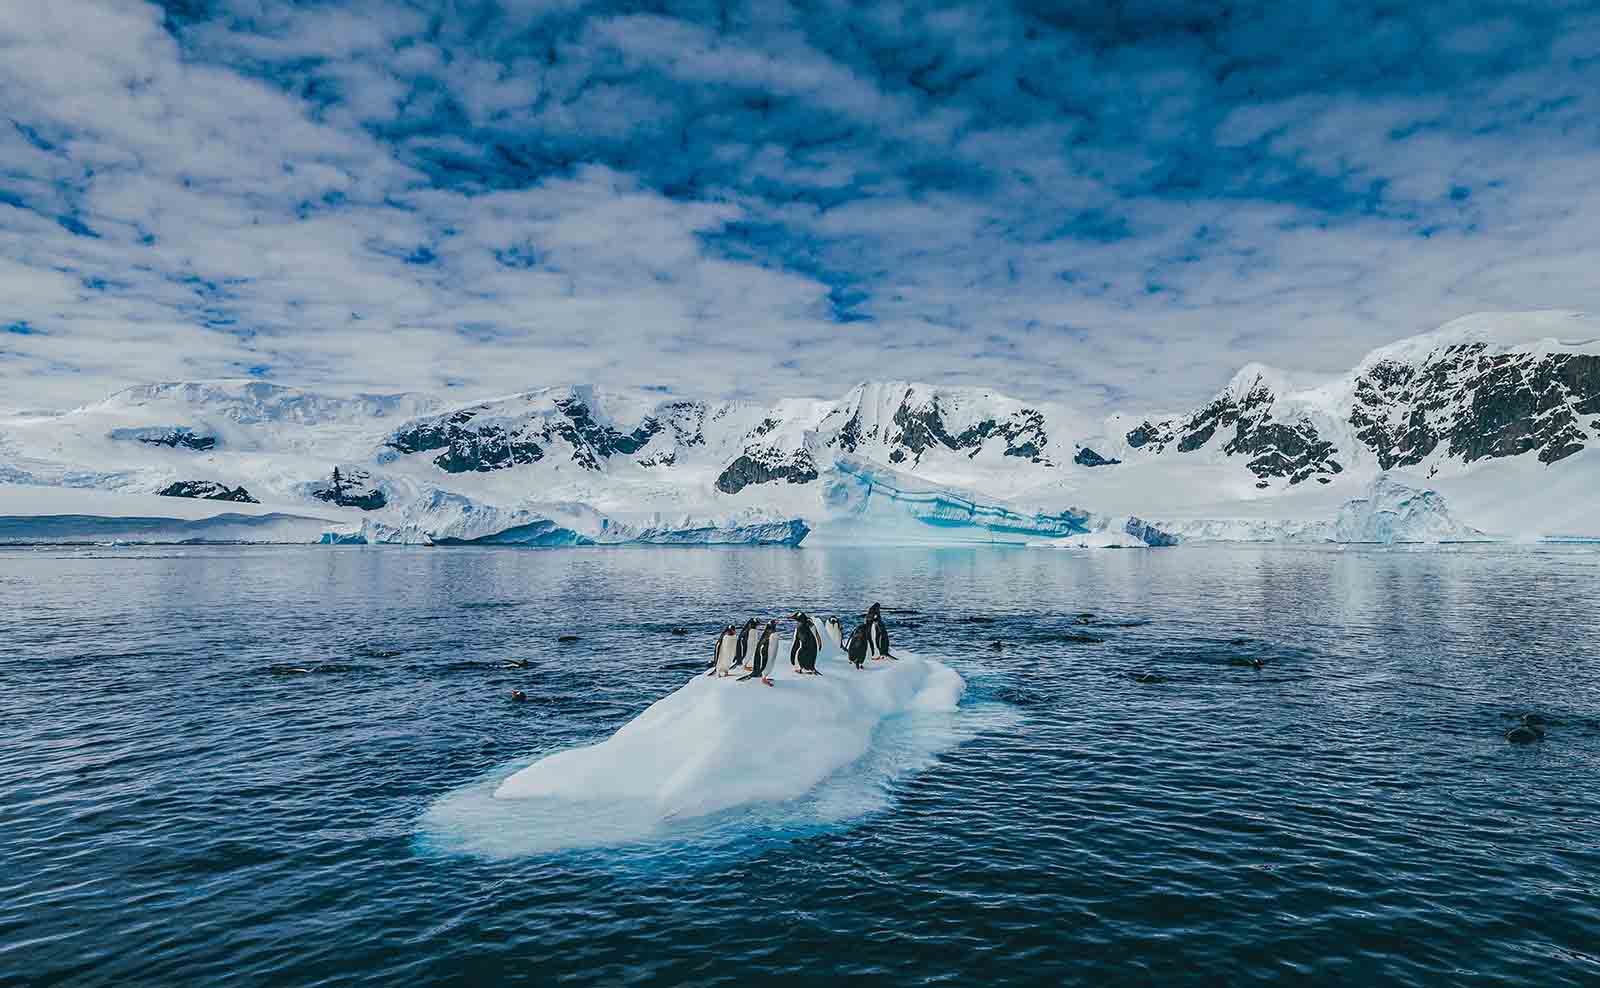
x=755 y=644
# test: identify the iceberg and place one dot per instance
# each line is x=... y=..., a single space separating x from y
x=1391 y=510
x=867 y=502
x=714 y=752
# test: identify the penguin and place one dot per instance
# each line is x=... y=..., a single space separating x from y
x=858 y=646
x=835 y=632
x=803 y=653
x=877 y=634
x=747 y=641
x=726 y=644
x=761 y=662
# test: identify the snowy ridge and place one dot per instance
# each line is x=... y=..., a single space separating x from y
x=1497 y=414
x=1537 y=333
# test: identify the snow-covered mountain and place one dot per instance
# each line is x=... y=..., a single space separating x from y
x=1483 y=387
x=1495 y=416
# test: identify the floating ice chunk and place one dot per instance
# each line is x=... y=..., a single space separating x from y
x=720 y=745
x=717 y=743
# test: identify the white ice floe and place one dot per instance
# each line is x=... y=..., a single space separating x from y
x=720 y=753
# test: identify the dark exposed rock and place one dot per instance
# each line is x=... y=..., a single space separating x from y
x=1087 y=457
x=1481 y=405
x=179 y=438
x=207 y=490
x=1149 y=433
x=351 y=488
x=921 y=428
x=851 y=436
x=592 y=442
x=765 y=428
x=466 y=448
x=469 y=445
x=687 y=421
x=747 y=469
x=1292 y=451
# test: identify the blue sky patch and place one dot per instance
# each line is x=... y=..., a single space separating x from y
x=602 y=192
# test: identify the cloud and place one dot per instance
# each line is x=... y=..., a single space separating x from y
x=1106 y=204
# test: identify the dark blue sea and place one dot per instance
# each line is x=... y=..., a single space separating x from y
x=1196 y=766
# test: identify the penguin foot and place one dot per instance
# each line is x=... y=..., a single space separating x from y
x=766 y=680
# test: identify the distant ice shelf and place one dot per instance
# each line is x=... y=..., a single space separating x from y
x=452 y=519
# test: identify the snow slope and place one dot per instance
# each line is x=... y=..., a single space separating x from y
x=1497 y=414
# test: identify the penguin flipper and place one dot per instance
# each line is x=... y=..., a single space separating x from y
x=748 y=675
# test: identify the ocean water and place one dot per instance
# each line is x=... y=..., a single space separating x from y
x=1124 y=796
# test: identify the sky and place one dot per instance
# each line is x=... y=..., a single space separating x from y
x=1111 y=204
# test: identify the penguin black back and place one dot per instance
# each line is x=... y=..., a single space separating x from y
x=742 y=649
x=878 y=635
x=761 y=660
x=804 y=650
x=858 y=646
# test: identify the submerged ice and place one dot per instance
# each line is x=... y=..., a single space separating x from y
x=716 y=754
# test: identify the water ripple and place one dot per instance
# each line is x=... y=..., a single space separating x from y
x=1269 y=766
